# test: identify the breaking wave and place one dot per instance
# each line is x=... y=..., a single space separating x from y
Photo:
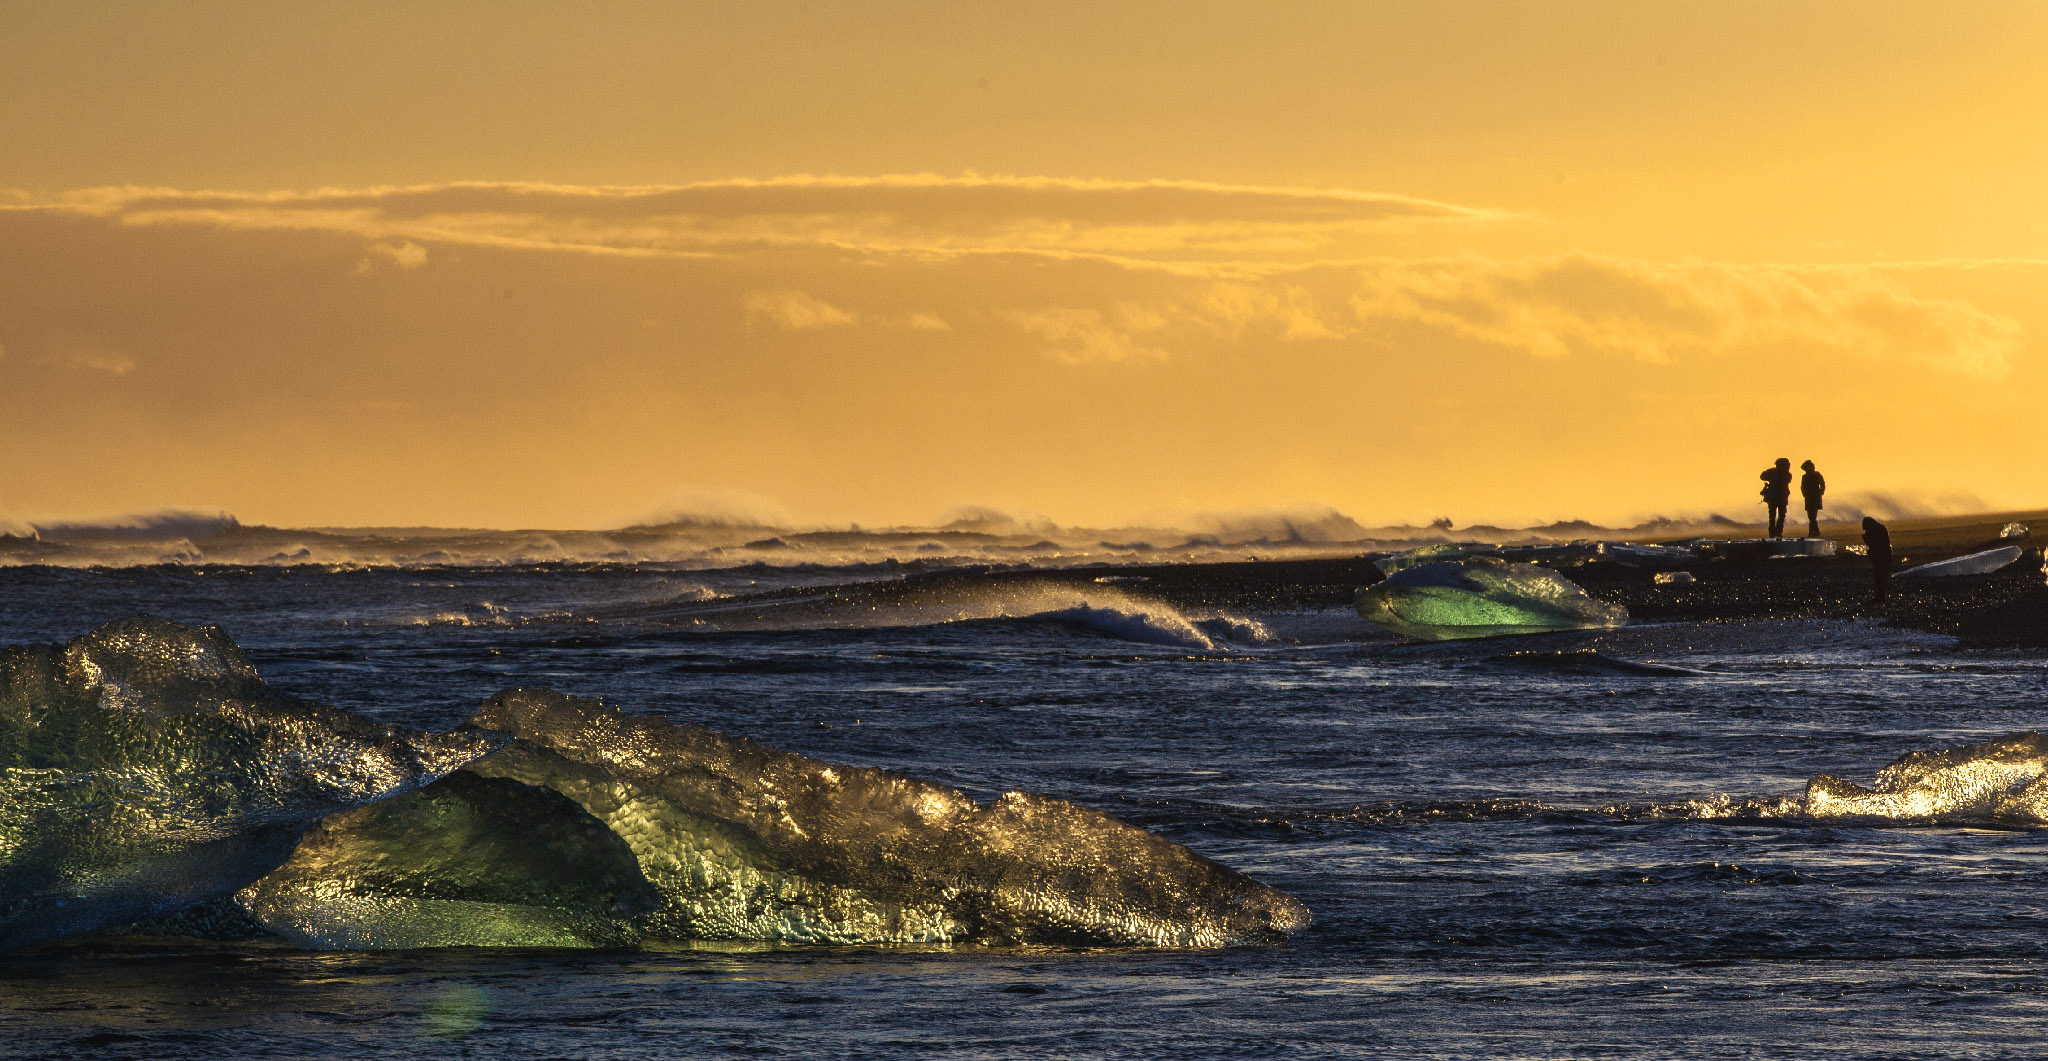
x=1158 y=626
x=168 y=525
x=1104 y=610
x=2001 y=782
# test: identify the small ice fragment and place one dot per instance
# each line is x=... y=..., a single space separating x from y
x=1665 y=578
x=2013 y=530
x=1631 y=554
x=1565 y=555
x=1431 y=554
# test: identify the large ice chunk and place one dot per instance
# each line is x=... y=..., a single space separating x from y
x=1982 y=563
x=748 y=842
x=468 y=861
x=1482 y=597
x=1749 y=550
x=145 y=767
x=2000 y=778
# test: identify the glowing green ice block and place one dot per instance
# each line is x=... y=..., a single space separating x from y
x=1482 y=597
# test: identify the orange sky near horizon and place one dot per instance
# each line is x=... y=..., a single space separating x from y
x=498 y=264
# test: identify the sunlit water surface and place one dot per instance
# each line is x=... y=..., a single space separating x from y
x=1505 y=858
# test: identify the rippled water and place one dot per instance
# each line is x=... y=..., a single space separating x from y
x=1531 y=856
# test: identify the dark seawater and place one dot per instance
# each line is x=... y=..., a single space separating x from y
x=1534 y=856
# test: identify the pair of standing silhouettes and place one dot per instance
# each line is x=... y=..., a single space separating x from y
x=1777 y=493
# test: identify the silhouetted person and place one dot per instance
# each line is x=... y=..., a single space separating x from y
x=1879 y=541
x=1811 y=486
x=1777 y=493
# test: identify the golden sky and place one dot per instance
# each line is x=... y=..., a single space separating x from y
x=540 y=264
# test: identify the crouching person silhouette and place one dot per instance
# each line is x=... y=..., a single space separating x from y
x=1878 y=540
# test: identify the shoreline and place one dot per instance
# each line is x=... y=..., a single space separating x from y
x=2005 y=609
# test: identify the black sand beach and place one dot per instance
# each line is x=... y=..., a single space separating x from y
x=2006 y=609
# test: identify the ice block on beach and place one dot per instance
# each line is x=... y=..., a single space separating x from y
x=1982 y=563
x=1631 y=554
x=1429 y=554
x=1751 y=549
x=1482 y=597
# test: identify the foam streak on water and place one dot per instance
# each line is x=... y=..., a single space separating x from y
x=1599 y=843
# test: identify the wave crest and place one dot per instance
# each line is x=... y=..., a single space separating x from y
x=1107 y=610
x=2004 y=780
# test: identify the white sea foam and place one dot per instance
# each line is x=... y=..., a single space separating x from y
x=2004 y=779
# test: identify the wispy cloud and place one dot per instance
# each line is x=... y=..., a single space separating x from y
x=405 y=254
x=922 y=322
x=1347 y=376
x=1661 y=313
x=795 y=310
x=1556 y=307
x=94 y=361
x=1080 y=335
x=919 y=214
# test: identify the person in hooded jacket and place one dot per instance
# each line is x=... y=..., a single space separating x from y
x=1777 y=493
x=1811 y=487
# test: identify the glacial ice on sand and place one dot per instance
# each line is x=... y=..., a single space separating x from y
x=1983 y=563
x=1631 y=554
x=1482 y=597
x=146 y=767
x=1429 y=554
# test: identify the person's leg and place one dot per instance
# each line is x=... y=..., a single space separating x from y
x=1813 y=523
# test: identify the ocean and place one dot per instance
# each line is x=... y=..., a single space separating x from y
x=1525 y=848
